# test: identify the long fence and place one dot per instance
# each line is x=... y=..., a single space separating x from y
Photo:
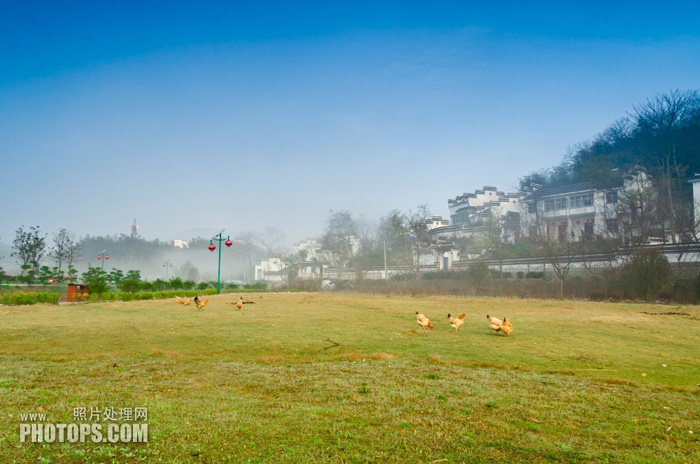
x=684 y=260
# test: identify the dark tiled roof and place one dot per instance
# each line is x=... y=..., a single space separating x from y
x=564 y=189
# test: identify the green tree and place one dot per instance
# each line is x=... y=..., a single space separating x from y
x=115 y=276
x=131 y=282
x=29 y=247
x=45 y=275
x=72 y=274
x=159 y=285
x=176 y=283
x=96 y=279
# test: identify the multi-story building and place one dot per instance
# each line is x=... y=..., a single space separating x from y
x=583 y=210
x=565 y=212
x=469 y=211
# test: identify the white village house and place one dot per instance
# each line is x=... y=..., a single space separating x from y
x=562 y=213
x=565 y=212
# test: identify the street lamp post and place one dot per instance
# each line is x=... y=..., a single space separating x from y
x=166 y=265
x=219 y=238
x=102 y=257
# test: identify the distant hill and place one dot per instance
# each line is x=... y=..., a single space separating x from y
x=195 y=232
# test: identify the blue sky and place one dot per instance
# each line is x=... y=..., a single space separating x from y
x=248 y=115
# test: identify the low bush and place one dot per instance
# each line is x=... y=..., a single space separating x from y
x=29 y=298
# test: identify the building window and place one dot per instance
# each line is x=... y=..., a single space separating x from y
x=532 y=208
x=581 y=201
x=555 y=204
x=611 y=197
x=588 y=229
x=611 y=225
x=533 y=231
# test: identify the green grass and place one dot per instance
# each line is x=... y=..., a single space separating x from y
x=265 y=384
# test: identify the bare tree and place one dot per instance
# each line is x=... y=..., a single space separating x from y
x=64 y=250
x=558 y=248
x=394 y=234
x=273 y=239
x=632 y=219
x=340 y=235
x=418 y=227
x=491 y=236
x=660 y=122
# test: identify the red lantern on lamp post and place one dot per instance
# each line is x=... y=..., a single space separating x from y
x=219 y=238
x=166 y=265
x=102 y=257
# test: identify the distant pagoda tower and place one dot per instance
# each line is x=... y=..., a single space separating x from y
x=134 y=230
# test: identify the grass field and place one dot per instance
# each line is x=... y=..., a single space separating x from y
x=576 y=382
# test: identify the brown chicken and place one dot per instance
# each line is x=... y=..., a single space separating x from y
x=423 y=321
x=456 y=322
x=506 y=327
x=239 y=304
x=184 y=301
x=494 y=323
x=200 y=303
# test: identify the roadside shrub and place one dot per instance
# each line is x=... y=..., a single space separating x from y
x=48 y=297
x=144 y=295
x=443 y=275
x=685 y=291
x=477 y=273
x=109 y=296
x=646 y=274
x=262 y=285
x=29 y=298
x=534 y=275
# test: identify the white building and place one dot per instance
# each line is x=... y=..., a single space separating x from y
x=564 y=212
x=469 y=210
x=588 y=209
x=435 y=222
x=696 y=203
x=271 y=270
x=473 y=208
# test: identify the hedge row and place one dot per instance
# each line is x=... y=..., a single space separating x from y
x=140 y=296
x=29 y=298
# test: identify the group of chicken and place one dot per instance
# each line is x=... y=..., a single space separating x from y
x=202 y=303
x=456 y=323
x=186 y=301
